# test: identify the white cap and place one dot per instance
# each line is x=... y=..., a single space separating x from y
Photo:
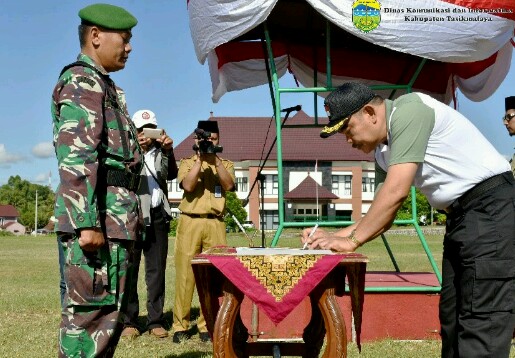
x=144 y=117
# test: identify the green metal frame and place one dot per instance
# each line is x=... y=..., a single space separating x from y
x=276 y=92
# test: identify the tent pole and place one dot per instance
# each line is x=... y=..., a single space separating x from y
x=328 y=54
x=278 y=130
x=267 y=65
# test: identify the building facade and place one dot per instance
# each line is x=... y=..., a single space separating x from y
x=323 y=179
x=9 y=220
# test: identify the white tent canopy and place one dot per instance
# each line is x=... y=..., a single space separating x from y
x=468 y=44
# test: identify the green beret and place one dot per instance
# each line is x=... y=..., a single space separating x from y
x=107 y=16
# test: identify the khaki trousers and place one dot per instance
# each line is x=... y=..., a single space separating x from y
x=194 y=235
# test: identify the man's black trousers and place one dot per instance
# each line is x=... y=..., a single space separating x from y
x=477 y=303
x=155 y=251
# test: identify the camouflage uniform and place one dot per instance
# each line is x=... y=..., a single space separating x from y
x=88 y=145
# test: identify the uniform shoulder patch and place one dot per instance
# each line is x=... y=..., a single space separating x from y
x=85 y=79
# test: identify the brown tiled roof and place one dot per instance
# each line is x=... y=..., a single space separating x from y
x=243 y=138
x=8 y=211
x=307 y=189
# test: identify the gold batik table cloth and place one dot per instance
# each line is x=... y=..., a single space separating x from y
x=277 y=279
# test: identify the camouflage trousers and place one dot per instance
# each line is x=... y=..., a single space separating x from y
x=92 y=314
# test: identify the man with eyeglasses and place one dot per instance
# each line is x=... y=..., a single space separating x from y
x=422 y=142
x=509 y=122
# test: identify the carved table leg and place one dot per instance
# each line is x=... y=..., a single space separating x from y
x=224 y=334
x=336 y=345
x=326 y=318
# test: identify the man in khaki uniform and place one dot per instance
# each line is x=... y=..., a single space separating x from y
x=205 y=178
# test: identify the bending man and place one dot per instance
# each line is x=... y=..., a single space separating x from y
x=420 y=141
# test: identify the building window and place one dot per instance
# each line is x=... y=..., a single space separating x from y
x=177 y=186
x=344 y=215
x=242 y=184
x=342 y=185
x=271 y=184
x=271 y=219
x=172 y=185
x=306 y=212
x=368 y=185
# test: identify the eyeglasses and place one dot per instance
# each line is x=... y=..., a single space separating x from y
x=508 y=117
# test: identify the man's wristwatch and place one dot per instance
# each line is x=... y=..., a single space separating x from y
x=352 y=237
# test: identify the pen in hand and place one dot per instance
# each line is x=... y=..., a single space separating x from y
x=310 y=236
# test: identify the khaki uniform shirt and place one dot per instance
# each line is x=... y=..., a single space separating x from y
x=208 y=197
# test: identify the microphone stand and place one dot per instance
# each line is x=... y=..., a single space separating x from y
x=261 y=178
x=229 y=212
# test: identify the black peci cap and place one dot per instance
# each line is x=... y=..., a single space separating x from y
x=208 y=126
x=509 y=102
x=342 y=103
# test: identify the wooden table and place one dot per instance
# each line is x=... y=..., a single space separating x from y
x=230 y=336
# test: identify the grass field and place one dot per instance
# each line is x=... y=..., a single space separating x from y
x=30 y=314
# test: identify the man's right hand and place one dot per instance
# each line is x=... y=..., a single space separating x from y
x=91 y=239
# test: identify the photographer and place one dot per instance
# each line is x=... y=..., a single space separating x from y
x=159 y=167
x=205 y=178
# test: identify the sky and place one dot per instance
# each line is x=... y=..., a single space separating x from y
x=38 y=38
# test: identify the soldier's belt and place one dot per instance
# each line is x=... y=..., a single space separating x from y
x=122 y=178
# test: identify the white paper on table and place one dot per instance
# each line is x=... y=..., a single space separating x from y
x=255 y=251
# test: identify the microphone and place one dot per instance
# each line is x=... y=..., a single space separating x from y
x=294 y=108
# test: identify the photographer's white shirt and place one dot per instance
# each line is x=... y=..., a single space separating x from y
x=153 y=186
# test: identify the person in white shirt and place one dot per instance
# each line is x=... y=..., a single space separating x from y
x=422 y=142
x=159 y=167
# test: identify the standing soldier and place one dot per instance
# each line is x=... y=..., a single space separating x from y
x=97 y=209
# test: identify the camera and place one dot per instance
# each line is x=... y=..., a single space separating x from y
x=204 y=144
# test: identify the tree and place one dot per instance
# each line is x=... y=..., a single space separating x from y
x=423 y=209
x=235 y=208
x=22 y=195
